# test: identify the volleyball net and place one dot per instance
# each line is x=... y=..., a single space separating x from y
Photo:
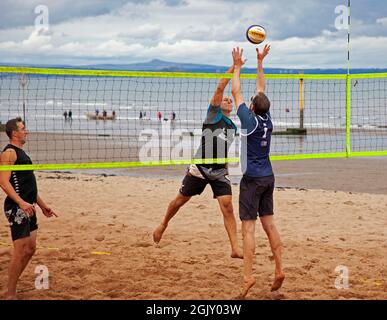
x=111 y=119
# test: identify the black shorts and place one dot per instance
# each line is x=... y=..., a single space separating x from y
x=256 y=197
x=21 y=225
x=192 y=186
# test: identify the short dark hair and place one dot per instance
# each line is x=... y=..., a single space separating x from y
x=260 y=103
x=11 y=126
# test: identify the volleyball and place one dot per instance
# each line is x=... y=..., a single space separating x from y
x=256 y=34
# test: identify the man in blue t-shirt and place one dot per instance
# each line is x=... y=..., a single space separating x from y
x=257 y=184
x=218 y=133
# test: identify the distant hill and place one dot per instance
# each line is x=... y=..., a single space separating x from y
x=167 y=66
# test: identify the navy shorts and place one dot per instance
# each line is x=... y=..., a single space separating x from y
x=21 y=225
x=256 y=197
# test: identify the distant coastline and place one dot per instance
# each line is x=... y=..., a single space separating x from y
x=167 y=66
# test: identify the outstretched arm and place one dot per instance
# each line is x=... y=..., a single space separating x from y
x=261 y=85
x=237 y=55
x=218 y=94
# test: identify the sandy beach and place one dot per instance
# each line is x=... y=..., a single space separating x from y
x=100 y=246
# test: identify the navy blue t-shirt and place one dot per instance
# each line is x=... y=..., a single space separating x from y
x=255 y=143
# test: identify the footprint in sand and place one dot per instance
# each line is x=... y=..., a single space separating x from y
x=277 y=296
x=5 y=252
x=66 y=258
x=213 y=225
x=100 y=238
x=142 y=245
x=308 y=266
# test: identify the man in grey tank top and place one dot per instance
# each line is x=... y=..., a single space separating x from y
x=217 y=134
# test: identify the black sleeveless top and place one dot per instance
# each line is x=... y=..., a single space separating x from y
x=24 y=182
x=218 y=134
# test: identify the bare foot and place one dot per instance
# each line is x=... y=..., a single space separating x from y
x=158 y=233
x=237 y=254
x=278 y=280
x=247 y=284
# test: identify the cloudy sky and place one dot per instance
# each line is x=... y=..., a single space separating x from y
x=302 y=32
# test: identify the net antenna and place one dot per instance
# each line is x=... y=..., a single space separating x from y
x=349 y=37
x=23 y=81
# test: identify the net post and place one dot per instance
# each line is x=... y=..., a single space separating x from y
x=302 y=103
x=348 y=117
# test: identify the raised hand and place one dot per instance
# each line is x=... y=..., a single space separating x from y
x=237 y=56
x=261 y=56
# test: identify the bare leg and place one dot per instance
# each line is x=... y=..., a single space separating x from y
x=23 y=251
x=248 y=230
x=276 y=247
x=225 y=203
x=173 y=208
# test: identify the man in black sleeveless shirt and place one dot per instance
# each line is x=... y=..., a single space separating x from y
x=217 y=135
x=19 y=206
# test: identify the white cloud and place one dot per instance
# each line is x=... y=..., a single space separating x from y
x=199 y=31
x=382 y=21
